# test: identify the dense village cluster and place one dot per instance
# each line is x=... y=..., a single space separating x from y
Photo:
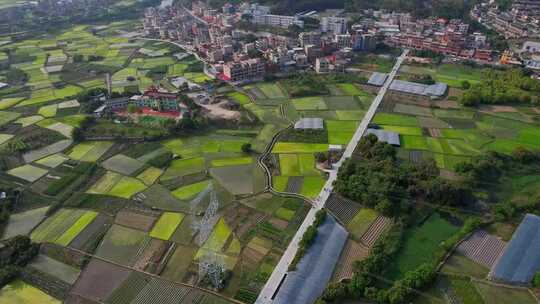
x=239 y=55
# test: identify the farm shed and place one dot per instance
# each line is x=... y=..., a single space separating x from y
x=377 y=79
x=388 y=137
x=434 y=91
x=307 y=283
x=309 y=124
x=521 y=259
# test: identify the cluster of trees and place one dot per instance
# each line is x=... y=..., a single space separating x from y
x=376 y=179
x=16 y=253
x=436 y=57
x=364 y=283
x=78 y=134
x=502 y=87
x=308 y=238
x=16 y=76
x=422 y=78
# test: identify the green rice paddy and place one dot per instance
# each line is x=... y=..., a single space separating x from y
x=312 y=186
x=309 y=103
x=77 y=227
x=19 y=292
x=236 y=161
x=28 y=172
x=189 y=191
x=166 y=225
x=288 y=147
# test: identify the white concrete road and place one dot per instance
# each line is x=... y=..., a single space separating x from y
x=269 y=289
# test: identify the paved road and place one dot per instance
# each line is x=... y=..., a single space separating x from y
x=265 y=297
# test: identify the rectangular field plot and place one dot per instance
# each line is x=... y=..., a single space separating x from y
x=56 y=269
x=182 y=167
x=105 y=183
x=343 y=103
x=150 y=175
x=77 y=227
x=127 y=187
x=414 y=142
x=217 y=238
x=99 y=279
x=401 y=130
x=502 y=295
x=288 y=164
x=340 y=131
x=166 y=225
x=61 y=128
x=28 y=172
x=350 y=115
x=395 y=119
x=312 y=186
x=47 y=150
x=349 y=89
x=122 y=164
x=289 y=147
x=309 y=103
x=280 y=183
x=231 y=161
x=48 y=111
x=361 y=222
x=22 y=223
x=52 y=161
x=56 y=225
x=420 y=244
x=412 y=110
x=7 y=103
x=271 y=90
x=189 y=191
x=444 y=113
x=242 y=99
x=122 y=245
x=179 y=263
x=90 y=151
x=19 y=292
x=5 y=137
x=29 y=120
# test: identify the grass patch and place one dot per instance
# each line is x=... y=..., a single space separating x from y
x=349 y=89
x=241 y=98
x=420 y=244
x=280 y=183
x=285 y=214
x=288 y=164
x=166 y=225
x=291 y=147
x=361 y=222
x=309 y=103
x=48 y=111
x=404 y=130
x=127 y=187
x=312 y=186
x=182 y=167
x=235 y=161
x=395 y=119
x=189 y=191
x=414 y=142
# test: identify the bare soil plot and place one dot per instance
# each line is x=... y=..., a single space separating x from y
x=122 y=164
x=99 y=279
x=236 y=179
x=377 y=228
x=134 y=220
x=351 y=253
x=55 y=268
x=122 y=245
x=432 y=122
x=151 y=256
x=161 y=291
x=92 y=232
x=179 y=262
x=483 y=248
x=22 y=223
x=129 y=289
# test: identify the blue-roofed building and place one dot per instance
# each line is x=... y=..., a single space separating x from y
x=307 y=283
x=433 y=91
x=377 y=79
x=521 y=258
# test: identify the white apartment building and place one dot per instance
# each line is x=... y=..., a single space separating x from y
x=334 y=25
x=244 y=71
x=277 y=20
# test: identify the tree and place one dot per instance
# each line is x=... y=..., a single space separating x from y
x=78 y=58
x=465 y=85
x=321 y=157
x=246 y=148
x=16 y=76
